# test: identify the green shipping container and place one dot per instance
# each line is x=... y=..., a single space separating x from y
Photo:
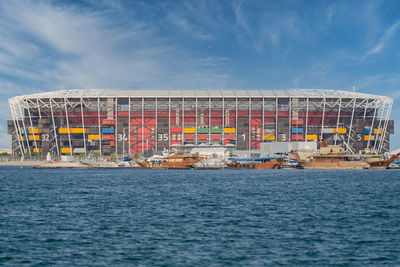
x=216 y=131
x=202 y=130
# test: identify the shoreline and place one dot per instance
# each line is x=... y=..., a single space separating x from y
x=42 y=164
x=28 y=163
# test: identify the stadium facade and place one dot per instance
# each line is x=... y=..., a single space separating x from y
x=134 y=121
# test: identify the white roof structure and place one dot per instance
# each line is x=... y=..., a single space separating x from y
x=327 y=93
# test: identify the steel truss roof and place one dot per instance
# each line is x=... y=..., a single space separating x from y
x=317 y=93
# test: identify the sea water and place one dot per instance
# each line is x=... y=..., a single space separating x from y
x=199 y=217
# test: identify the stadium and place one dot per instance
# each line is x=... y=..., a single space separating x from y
x=106 y=121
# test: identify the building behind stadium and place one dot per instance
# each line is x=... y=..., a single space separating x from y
x=106 y=121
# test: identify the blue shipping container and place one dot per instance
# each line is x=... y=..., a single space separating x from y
x=367 y=131
x=108 y=130
x=297 y=130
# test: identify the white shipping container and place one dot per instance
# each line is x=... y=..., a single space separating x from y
x=327 y=130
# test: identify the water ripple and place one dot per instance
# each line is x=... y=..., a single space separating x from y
x=230 y=217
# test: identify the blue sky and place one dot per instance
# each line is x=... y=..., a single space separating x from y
x=52 y=45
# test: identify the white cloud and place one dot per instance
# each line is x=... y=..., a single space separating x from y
x=44 y=47
x=240 y=16
x=63 y=47
x=385 y=38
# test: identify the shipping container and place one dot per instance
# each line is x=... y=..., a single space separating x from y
x=108 y=137
x=65 y=150
x=189 y=136
x=312 y=137
x=230 y=130
x=94 y=137
x=269 y=137
x=216 y=137
x=297 y=137
x=297 y=130
x=189 y=130
x=340 y=130
x=216 y=130
x=108 y=122
x=176 y=129
x=203 y=136
x=298 y=122
x=229 y=137
x=202 y=130
x=108 y=130
x=72 y=130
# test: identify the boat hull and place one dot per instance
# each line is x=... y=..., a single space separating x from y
x=258 y=165
x=383 y=164
x=341 y=165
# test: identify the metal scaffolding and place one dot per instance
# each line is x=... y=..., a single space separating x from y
x=72 y=121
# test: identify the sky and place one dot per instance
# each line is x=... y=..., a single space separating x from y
x=199 y=44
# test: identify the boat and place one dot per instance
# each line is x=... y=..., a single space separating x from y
x=258 y=163
x=378 y=163
x=210 y=164
x=176 y=161
x=289 y=164
x=394 y=165
x=329 y=157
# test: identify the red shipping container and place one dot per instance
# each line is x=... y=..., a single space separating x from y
x=216 y=137
x=299 y=121
x=229 y=137
x=189 y=137
x=176 y=129
x=108 y=137
x=203 y=136
x=108 y=121
x=297 y=137
x=112 y=143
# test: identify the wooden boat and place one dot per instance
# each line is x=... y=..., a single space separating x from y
x=185 y=161
x=329 y=157
x=210 y=164
x=260 y=163
x=379 y=163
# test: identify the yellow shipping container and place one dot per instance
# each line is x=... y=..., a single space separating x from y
x=65 y=150
x=376 y=131
x=72 y=130
x=312 y=137
x=36 y=137
x=189 y=130
x=78 y=130
x=230 y=130
x=39 y=150
x=340 y=130
x=372 y=137
x=269 y=137
x=94 y=137
x=63 y=130
x=35 y=131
